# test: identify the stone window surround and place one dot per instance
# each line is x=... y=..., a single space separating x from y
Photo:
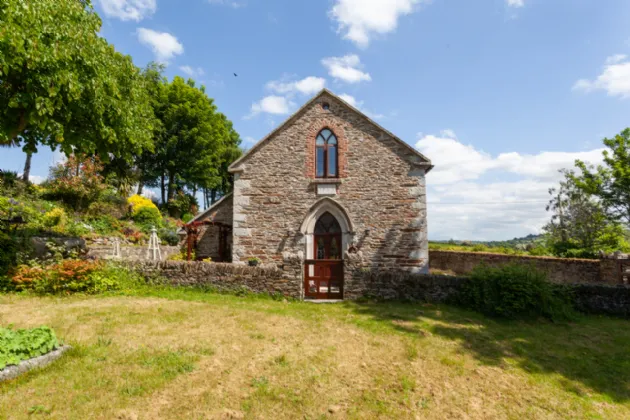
x=342 y=147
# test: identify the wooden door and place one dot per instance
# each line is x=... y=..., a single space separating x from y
x=324 y=274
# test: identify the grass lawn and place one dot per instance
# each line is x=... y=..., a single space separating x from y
x=166 y=353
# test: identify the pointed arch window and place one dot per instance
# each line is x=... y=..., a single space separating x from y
x=326 y=155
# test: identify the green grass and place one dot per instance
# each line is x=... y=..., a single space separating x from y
x=181 y=353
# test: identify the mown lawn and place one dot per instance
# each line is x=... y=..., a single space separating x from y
x=187 y=354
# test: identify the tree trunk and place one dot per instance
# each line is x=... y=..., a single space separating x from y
x=140 y=188
x=27 y=166
x=163 y=189
x=171 y=186
x=213 y=196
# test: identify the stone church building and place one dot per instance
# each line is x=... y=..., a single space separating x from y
x=327 y=194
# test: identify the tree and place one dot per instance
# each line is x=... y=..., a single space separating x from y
x=609 y=182
x=190 y=138
x=579 y=227
x=62 y=85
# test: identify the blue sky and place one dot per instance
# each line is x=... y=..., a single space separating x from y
x=500 y=94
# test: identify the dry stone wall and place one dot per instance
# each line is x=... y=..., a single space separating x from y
x=227 y=277
x=559 y=270
x=382 y=186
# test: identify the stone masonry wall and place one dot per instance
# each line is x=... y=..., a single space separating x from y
x=208 y=239
x=385 y=285
x=130 y=253
x=381 y=185
x=227 y=277
x=560 y=270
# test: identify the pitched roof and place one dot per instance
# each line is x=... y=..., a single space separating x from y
x=234 y=167
x=207 y=211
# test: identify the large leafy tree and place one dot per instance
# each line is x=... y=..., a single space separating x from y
x=579 y=226
x=610 y=182
x=62 y=85
x=189 y=140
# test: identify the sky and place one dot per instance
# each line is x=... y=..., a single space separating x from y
x=499 y=94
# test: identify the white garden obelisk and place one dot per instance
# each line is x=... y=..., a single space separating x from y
x=153 y=252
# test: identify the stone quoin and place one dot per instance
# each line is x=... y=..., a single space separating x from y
x=326 y=196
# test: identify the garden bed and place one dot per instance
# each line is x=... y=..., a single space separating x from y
x=13 y=371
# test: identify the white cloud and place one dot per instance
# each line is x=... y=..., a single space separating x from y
x=351 y=100
x=614 y=79
x=164 y=45
x=275 y=105
x=515 y=3
x=359 y=20
x=508 y=202
x=128 y=9
x=455 y=161
x=192 y=72
x=306 y=86
x=346 y=68
x=231 y=3
x=248 y=142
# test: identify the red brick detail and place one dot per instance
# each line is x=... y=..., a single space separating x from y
x=342 y=145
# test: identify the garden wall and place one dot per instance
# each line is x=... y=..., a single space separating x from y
x=385 y=285
x=589 y=298
x=130 y=253
x=227 y=277
x=559 y=270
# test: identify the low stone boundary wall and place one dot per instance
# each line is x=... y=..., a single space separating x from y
x=385 y=285
x=608 y=300
x=405 y=286
x=130 y=253
x=559 y=270
x=588 y=298
x=226 y=277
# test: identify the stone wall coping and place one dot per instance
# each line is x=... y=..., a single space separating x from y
x=530 y=257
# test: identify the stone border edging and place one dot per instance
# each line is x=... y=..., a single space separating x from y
x=13 y=371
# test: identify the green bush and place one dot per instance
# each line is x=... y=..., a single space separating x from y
x=515 y=291
x=169 y=236
x=74 y=276
x=187 y=217
x=113 y=278
x=18 y=345
x=146 y=217
x=8 y=253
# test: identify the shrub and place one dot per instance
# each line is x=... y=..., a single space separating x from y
x=99 y=209
x=168 y=236
x=76 y=182
x=147 y=217
x=55 y=218
x=515 y=291
x=18 y=345
x=187 y=217
x=74 y=276
x=138 y=202
x=8 y=253
x=106 y=224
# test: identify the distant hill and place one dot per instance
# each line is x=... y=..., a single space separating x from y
x=510 y=243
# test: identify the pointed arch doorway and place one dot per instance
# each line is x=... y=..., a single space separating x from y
x=324 y=274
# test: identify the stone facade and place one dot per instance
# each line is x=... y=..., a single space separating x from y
x=381 y=189
x=378 y=197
